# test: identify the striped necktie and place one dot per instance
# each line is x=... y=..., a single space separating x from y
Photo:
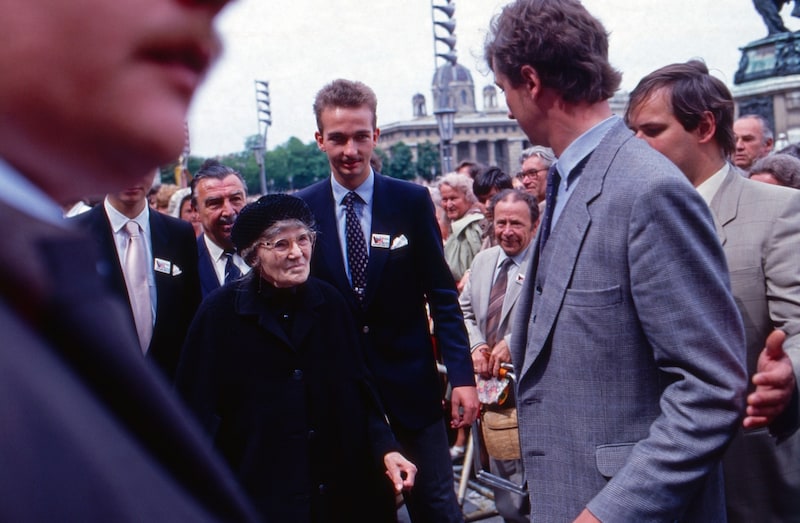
x=495 y=310
x=232 y=272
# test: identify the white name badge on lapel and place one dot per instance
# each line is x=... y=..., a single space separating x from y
x=380 y=241
x=163 y=266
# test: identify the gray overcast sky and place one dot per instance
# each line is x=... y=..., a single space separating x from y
x=299 y=45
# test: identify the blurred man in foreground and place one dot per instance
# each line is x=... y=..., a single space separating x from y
x=97 y=99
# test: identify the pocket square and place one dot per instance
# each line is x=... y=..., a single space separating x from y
x=400 y=241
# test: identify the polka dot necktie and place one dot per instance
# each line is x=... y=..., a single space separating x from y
x=357 y=256
x=553 y=180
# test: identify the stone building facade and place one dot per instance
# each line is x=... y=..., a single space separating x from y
x=486 y=136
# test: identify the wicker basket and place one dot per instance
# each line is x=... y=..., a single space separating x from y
x=501 y=433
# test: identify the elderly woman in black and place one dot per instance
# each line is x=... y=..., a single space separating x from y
x=272 y=368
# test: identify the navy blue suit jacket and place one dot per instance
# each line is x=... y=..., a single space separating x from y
x=178 y=295
x=400 y=282
x=205 y=268
x=89 y=432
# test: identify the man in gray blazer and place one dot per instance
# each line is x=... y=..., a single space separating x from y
x=687 y=114
x=628 y=345
x=516 y=214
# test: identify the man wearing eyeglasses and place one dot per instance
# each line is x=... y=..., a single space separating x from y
x=534 y=162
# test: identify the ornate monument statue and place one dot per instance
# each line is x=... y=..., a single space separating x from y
x=770 y=12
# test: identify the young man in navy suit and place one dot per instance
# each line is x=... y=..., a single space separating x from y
x=380 y=245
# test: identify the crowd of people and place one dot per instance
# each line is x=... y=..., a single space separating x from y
x=198 y=354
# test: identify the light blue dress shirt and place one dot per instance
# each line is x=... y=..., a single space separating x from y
x=571 y=157
x=363 y=210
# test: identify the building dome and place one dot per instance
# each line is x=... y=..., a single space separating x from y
x=453 y=82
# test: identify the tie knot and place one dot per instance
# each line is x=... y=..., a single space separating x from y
x=133 y=228
x=351 y=198
x=505 y=264
x=552 y=175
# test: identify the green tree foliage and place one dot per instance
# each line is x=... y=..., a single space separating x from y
x=305 y=164
x=295 y=165
x=288 y=167
x=428 y=160
x=402 y=162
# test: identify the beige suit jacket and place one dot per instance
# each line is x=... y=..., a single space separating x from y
x=759 y=227
x=474 y=299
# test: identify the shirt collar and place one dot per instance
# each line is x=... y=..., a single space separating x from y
x=19 y=193
x=582 y=147
x=118 y=220
x=708 y=189
x=364 y=191
x=518 y=259
x=215 y=251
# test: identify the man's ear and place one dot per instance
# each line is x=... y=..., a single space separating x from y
x=530 y=79
x=707 y=127
x=320 y=142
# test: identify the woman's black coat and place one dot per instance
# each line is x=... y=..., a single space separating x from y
x=277 y=379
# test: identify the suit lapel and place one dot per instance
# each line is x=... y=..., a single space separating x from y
x=159 y=239
x=725 y=204
x=382 y=223
x=328 y=246
x=481 y=283
x=512 y=291
x=564 y=245
x=205 y=267
x=100 y=228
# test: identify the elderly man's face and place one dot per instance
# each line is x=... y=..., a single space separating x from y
x=750 y=142
x=218 y=204
x=533 y=175
x=96 y=91
x=285 y=259
x=512 y=226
